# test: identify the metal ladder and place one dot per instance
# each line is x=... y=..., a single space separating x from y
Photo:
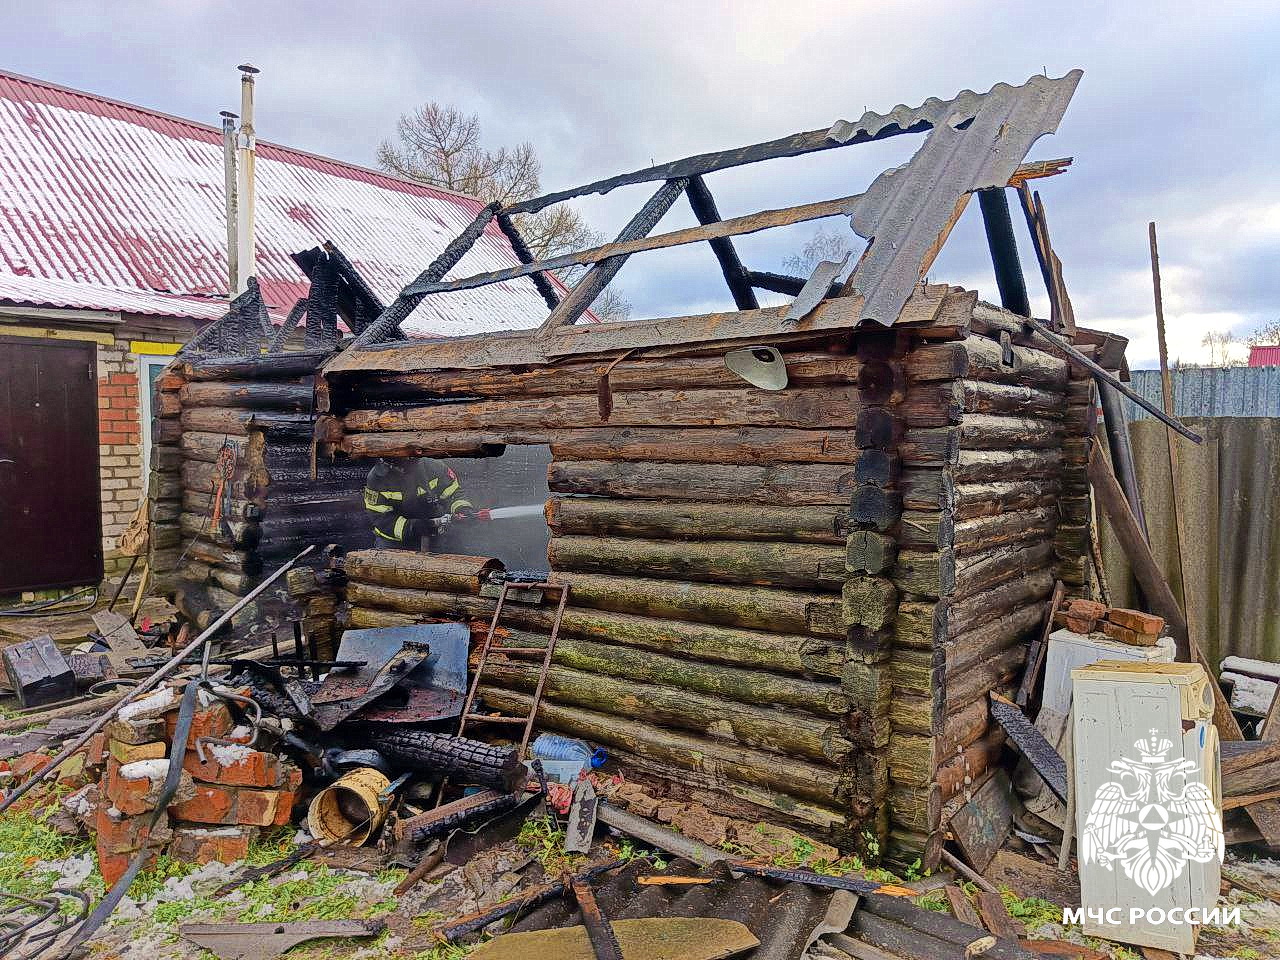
x=467 y=715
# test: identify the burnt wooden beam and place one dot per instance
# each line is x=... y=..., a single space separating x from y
x=1031 y=743
x=1057 y=343
x=579 y=299
x=782 y=283
x=1004 y=251
x=388 y=323
x=540 y=280
x=626 y=246
x=365 y=303
x=735 y=274
x=792 y=146
x=291 y=321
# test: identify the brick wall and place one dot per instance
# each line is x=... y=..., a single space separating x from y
x=119 y=446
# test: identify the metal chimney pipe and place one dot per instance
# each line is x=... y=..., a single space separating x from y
x=229 y=173
x=247 y=258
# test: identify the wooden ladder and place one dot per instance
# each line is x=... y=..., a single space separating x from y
x=547 y=653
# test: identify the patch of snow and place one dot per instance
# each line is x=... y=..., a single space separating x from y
x=229 y=754
x=152 y=705
x=153 y=770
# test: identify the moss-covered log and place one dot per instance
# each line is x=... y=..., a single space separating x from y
x=763 y=564
x=441 y=572
x=781 y=774
x=785 y=732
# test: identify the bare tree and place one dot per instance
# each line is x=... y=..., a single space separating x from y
x=1266 y=335
x=823 y=245
x=1219 y=343
x=440 y=145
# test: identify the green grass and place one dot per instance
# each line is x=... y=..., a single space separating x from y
x=25 y=839
x=936 y=901
x=545 y=844
x=1031 y=912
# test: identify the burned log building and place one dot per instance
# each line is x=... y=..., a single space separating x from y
x=789 y=595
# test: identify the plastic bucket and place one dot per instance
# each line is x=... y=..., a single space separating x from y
x=348 y=810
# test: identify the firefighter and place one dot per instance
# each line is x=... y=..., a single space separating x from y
x=401 y=500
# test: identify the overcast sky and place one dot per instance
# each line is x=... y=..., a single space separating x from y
x=1171 y=122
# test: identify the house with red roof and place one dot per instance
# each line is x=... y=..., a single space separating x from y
x=113 y=252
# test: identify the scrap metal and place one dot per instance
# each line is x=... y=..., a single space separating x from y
x=261 y=941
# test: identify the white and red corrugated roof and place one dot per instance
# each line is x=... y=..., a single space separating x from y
x=1264 y=356
x=109 y=206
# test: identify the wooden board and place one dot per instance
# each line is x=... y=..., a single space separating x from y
x=981 y=825
x=675 y=938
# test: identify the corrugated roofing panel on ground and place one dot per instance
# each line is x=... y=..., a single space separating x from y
x=105 y=205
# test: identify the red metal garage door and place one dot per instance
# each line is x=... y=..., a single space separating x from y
x=50 y=514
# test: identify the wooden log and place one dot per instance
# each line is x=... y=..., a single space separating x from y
x=962 y=727
x=980 y=357
x=932 y=405
x=426 y=443
x=973 y=761
x=925 y=574
x=729 y=561
x=978 y=572
x=740 y=800
x=792 y=777
x=980 y=431
x=238 y=534
x=869 y=602
x=929 y=488
x=920 y=623
x=234 y=560
x=978 y=466
x=197 y=445
x=751 y=726
x=817 y=407
x=257 y=367
x=869 y=552
x=982 y=534
x=876 y=507
x=423 y=571
x=731 y=682
x=236 y=582
x=791 y=484
x=704 y=445
x=238 y=422
x=987 y=499
x=911 y=759
x=167 y=405
x=782 y=652
x=255 y=395
x=783 y=611
x=984 y=676
x=804 y=368
x=981 y=608
x=1000 y=399
x=924 y=530
x=697 y=521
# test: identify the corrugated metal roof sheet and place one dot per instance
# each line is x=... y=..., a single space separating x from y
x=1264 y=356
x=109 y=206
x=1212 y=392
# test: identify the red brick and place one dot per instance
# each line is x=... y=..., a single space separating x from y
x=258 y=807
x=95 y=751
x=284 y=808
x=144 y=730
x=119 y=833
x=130 y=796
x=211 y=804
x=194 y=844
x=211 y=721
x=113 y=865
x=127 y=378
x=1136 y=620
x=28 y=764
x=111 y=390
x=251 y=768
x=109 y=415
x=1125 y=635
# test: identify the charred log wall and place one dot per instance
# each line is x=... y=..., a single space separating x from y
x=245 y=429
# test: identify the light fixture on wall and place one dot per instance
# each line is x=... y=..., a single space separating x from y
x=762 y=367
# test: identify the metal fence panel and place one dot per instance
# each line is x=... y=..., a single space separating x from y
x=1212 y=392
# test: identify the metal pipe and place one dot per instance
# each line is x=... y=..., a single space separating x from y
x=247 y=256
x=152 y=681
x=1004 y=251
x=229 y=178
x=1117 y=427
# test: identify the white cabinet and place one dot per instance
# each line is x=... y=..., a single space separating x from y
x=1148 y=798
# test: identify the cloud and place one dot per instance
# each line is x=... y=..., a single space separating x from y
x=1156 y=126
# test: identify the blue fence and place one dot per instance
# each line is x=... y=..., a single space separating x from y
x=1212 y=392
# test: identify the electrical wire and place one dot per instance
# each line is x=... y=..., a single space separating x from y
x=40 y=609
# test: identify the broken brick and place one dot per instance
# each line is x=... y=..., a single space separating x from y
x=28 y=764
x=1125 y=635
x=1136 y=620
x=136 y=788
x=257 y=807
x=211 y=804
x=699 y=823
x=195 y=844
x=112 y=866
x=1087 y=609
x=132 y=752
x=237 y=766
x=137 y=731
x=95 y=751
x=211 y=721
x=118 y=833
